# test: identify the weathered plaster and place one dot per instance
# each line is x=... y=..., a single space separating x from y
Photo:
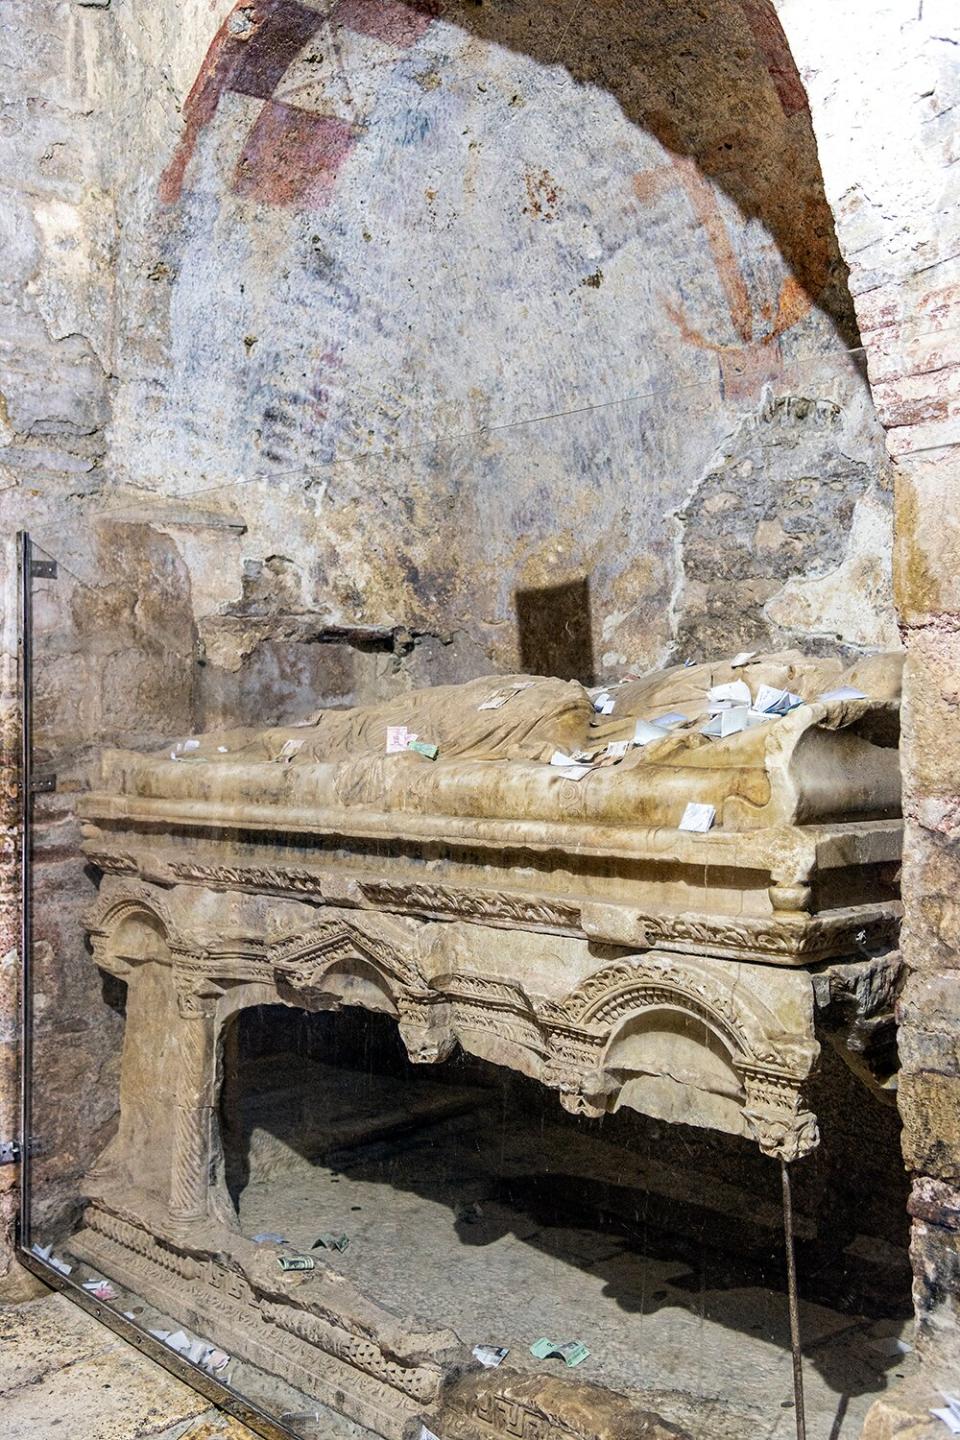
x=485 y=331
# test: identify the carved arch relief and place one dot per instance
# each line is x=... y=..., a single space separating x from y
x=128 y=927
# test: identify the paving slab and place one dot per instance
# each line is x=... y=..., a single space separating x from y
x=62 y=1372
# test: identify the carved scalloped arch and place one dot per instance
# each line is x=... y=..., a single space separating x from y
x=619 y=992
x=109 y=911
x=329 y=943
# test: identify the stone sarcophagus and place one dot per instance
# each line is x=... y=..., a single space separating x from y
x=520 y=886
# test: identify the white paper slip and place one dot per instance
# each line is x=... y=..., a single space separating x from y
x=398 y=739
x=46 y=1253
x=728 y=722
x=183 y=747
x=500 y=697
x=698 y=817
x=426 y=1434
x=607 y=707
x=672 y=718
x=617 y=748
x=843 y=692
x=604 y=698
x=645 y=732
x=575 y=772
x=774 y=701
x=559 y=758
x=890 y=1345
x=490 y=1355
x=736 y=693
x=744 y=658
x=951 y=1421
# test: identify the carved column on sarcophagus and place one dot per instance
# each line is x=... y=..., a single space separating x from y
x=776 y=1115
x=195 y=1042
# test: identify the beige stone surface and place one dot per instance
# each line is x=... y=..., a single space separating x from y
x=904 y=1413
x=930 y=1106
x=931 y=707
x=63 y=1372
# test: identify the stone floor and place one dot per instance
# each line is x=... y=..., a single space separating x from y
x=63 y=1373
x=464 y=1212
x=480 y=1213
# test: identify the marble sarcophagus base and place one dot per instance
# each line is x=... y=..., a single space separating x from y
x=621 y=964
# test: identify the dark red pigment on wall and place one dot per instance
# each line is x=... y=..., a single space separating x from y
x=773 y=46
x=291 y=154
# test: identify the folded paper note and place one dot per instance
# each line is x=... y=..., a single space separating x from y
x=296 y=1262
x=698 y=818
x=422 y=747
x=645 y=732
x=490 y=1355
x=329 y=1241
x=398 y=739
x=736 y=693
x=728 y=722
x=774 y=701
x=844 y=692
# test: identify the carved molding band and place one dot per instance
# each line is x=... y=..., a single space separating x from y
x=488 y=906
x=347 y=1370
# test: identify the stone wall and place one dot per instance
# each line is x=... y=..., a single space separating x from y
x=462 y=314
x=54 y=400
x=346 y=357
x=883 y=83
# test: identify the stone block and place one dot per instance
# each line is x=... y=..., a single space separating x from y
x=935 y=1255
x=926 y=555
x=930 y=939
x=935 y=1201
x=929 y=1037
x=930 y=718
x=930 y=1108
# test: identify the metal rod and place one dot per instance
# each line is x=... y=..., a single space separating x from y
x=793 y=1303
x=26 y=881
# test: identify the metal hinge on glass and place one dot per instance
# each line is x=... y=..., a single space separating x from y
x=43 y=569
x=10 y=1150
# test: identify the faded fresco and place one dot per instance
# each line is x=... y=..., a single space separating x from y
x=460 y=308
